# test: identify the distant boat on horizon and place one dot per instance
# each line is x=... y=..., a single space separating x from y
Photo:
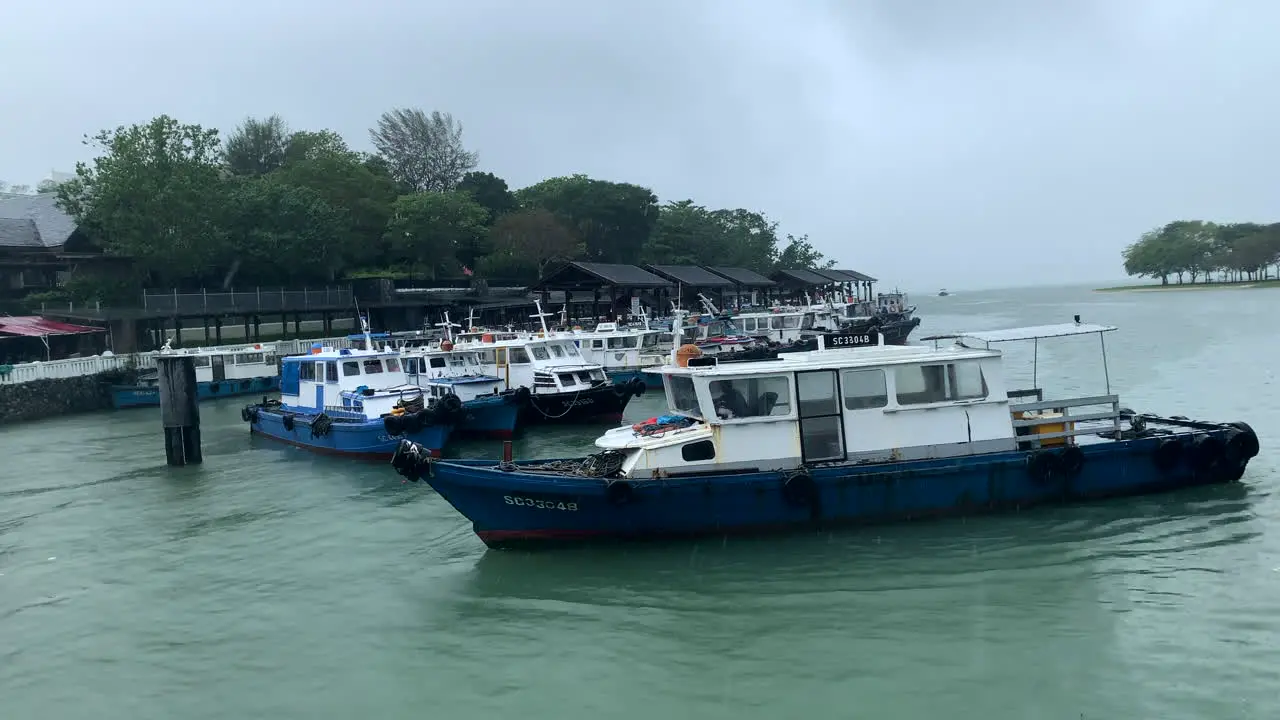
x=943 y=292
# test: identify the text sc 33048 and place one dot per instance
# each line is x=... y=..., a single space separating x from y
x=540 y=504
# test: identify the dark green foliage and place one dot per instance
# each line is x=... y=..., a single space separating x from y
x=274 y=207
x=1193 y=249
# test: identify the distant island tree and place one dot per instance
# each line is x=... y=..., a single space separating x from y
x=1197 y=250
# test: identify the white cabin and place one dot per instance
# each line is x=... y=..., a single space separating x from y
x=615 y=348
x=369 y=382
x=544 y=363
x=783 y=325
x=243 y=362
x=870 y=403
x=440 y=372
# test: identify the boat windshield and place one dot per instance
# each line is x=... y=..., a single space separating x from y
x=684 y=399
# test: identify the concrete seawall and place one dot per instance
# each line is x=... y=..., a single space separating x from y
x=59 y=396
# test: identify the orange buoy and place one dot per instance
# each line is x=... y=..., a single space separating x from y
x=446 y=346
x=487 y=337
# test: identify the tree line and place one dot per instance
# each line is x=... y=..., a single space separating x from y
x=274 y=206
x=1197 y=249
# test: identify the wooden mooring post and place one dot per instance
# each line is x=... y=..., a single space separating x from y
x=179 y=409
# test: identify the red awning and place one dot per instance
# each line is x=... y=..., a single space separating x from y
x=36 y=326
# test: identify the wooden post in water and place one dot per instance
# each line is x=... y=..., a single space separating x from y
x=179 y=409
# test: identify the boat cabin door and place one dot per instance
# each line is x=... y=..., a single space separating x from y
x=821 y=417
x=219 y=368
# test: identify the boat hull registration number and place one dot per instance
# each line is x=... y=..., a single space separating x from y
x=538 y=504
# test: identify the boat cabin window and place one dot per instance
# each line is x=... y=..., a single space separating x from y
x=372 y=365
x=806 y=323
x=306 y=371
x=393 y=364
x=557 y=350
x=650 y=340
x=624 y=342
x=786 y=322
x=597 y=344
x=567 y=379
x=201 y=361
x=864 y=389
x=540 y=353
x=751 y=397
x=437 y=362
x=519 y=356
x=248 y=358
x=817 y=393
x=331 y=371
x=350 y=367
x=748 y=324
x=697 y=451
x=921 y=384
x=683 y=397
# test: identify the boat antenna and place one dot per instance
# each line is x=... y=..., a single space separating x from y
x=448 y=326
x=709 y=306
x=542 y=317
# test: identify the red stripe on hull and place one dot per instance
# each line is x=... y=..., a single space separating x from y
x=330 y=451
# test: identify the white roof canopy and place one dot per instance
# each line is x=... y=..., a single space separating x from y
x=1030 y=333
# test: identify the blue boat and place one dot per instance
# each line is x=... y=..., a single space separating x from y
x=355 y=403
x=220 y=372
x=855 y=431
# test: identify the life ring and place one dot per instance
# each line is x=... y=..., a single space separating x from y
x=1243 y=445
x=800 y=490
x=1167 y=455
x=1071 y=461
x=619 y=492
x=1206 y=451
x=1042 y=466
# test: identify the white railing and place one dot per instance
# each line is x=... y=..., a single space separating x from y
x=94 y=364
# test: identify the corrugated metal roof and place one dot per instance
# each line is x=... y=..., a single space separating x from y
x=690 y=275
x=802 y=277
x=742 y=276
x=834 y=275
x=35 y=326
x=860 y=277
x=578 y=273
x=53 y=225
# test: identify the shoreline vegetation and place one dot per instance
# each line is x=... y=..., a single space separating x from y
x=1240 y=255
x=187 y=206
x=1211 y=285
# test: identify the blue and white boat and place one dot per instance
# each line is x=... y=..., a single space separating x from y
x=488 y=408
x=856 y=431
x=356 y=403
x=220 y=372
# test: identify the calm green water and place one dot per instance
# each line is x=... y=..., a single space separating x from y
x=269 y=583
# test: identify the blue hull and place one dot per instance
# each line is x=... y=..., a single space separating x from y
x=364 y=439
x=519 y=507
x=495 y=416
x=652 y=381
x=131 y=396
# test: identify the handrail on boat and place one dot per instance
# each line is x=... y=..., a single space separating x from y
x=1074 y=424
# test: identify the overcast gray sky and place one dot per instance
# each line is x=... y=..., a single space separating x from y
x=926 y=142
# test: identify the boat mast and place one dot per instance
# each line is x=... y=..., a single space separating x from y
x=542 y=317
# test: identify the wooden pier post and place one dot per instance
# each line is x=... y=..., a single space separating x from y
x=179 y=409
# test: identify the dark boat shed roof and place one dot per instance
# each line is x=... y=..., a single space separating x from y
x=690 y=275
x=742 y=276
x=589 y=276
x=860 y=277
x=795 y=277
x=834 y=275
